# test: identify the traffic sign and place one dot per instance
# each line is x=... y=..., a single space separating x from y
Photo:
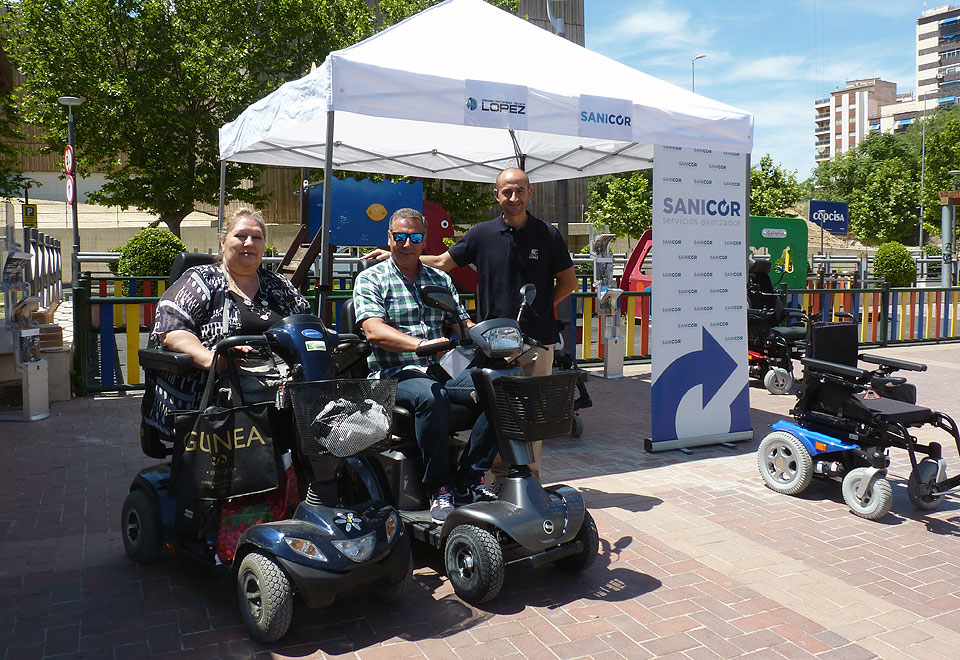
x=71 y=190
x=68 y=160
x=29 y=212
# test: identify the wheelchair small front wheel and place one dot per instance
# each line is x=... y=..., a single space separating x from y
x=876 y=500
x=778 y=380
x=784 y=463
x=921 y=484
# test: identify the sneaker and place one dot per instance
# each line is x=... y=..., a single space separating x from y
x=476 y=492
x=441 y=504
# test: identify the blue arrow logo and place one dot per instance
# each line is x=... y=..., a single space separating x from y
x=710 y=367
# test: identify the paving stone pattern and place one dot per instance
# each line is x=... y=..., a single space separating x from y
x=698 y=559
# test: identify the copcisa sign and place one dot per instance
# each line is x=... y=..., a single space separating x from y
x=833 y=217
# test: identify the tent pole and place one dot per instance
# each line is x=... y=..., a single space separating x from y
x=223 y=191
x=326 y=259
x=746 y=203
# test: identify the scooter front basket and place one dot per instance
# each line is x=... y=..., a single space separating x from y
x=343 y=417
x=535 y=407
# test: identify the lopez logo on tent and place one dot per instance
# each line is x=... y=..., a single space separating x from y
x=604 y=117
x=495 y=105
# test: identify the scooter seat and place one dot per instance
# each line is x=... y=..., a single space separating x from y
x=892 y=410
x=790 y=332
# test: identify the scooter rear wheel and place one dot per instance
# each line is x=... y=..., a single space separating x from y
x=266 y=598
x=784 y=463
x=141 y=526
x=778 y=380
x=474 y=563
x=877 y=499
x=590 y=538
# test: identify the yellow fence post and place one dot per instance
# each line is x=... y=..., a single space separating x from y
x=133 y=344
x=631 y=323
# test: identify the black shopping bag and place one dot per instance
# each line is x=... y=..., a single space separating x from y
x=223 y=452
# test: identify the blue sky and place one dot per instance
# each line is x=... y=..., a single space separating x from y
x=773 y=59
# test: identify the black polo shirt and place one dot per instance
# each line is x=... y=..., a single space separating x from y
x=506 y=259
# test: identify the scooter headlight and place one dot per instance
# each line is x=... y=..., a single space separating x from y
x=357 y=549
x=504 y=339
x=392 y=525
x=305 y=548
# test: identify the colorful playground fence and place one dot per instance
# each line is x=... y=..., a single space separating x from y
x=113 y=317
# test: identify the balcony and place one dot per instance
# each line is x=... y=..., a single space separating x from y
x=819 y=102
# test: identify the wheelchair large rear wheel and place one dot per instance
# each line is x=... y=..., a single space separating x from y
x=921 y=484
x=785 y=464
x=876 y=500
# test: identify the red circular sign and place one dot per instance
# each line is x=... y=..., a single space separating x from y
x=68 y=160
x=70 y=190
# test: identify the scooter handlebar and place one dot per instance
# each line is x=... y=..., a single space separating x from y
x=426 y=350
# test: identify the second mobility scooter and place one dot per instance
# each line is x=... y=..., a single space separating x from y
x=529 y=522
x=845 y=422
x=327 y=547
x=775 y=334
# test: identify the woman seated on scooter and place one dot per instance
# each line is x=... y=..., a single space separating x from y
x=233 y=296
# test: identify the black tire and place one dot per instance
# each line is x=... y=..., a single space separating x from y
x=141 y=526
x=577 y=429
x=784 y=463
x=392 y=592
x=590 y=538
x=920 y=484
x=876 y=501
x=474 y=562
x=265 y=597
x=778 y=380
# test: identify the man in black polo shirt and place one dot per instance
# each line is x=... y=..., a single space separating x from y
x=514 y=249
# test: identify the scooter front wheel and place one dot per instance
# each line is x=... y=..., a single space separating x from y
x=474 y=563
x=141 y=526
x=876 y=500
x=266 y=597
x=778 y=380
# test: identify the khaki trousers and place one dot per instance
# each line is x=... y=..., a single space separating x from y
x=535 y=362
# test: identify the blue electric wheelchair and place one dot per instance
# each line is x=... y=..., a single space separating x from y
x=845 y=422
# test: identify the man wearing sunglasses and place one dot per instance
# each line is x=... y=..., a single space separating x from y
x=396 y=322
x=509 y=251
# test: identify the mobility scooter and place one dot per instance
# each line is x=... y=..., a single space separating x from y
x=528 y=523
x=845 y=422
x=775 y=334
x=327 y=547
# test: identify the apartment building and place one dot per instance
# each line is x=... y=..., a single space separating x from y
x=848 y=115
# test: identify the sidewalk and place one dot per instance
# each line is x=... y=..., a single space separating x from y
x=698 y=559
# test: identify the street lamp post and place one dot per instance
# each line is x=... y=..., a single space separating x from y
x=693 y=86
x=71 y=101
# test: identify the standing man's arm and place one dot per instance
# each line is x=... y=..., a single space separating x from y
x=566 y=284
x=442 y=262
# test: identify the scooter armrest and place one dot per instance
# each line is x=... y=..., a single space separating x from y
x=157 y=359
x=885 y=361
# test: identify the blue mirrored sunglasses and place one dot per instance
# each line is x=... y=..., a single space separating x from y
x=402 y=236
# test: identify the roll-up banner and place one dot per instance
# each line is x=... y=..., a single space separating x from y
x=700 y=392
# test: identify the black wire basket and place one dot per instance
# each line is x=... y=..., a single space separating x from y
x=343 y=417
x=535 y=407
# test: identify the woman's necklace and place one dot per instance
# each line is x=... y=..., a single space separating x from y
x=258 y=305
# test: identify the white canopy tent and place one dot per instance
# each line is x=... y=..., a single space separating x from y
x=464 y=89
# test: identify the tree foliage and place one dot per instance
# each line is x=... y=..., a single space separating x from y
x=773 y=190
x=159 y=79
x=12 y=180
x=151 y=251
x=893 y=264
x=621 y=203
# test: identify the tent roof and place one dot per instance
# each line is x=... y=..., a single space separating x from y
x=411 y=100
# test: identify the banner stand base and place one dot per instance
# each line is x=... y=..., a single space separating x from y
x=682 y=443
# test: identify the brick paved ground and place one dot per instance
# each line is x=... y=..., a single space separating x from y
x=699 y=560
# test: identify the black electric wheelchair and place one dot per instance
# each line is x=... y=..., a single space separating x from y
x=776 y=334
x=846 y=421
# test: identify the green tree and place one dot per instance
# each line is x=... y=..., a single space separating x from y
x=160 y=78
x=12 y=180
x=886 y=208
x=893 y=263
x=622 y=203
x=773 y=190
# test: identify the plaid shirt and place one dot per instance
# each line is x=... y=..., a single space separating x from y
x=382 y=291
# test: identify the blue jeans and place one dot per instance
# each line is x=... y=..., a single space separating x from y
x=429 y=400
